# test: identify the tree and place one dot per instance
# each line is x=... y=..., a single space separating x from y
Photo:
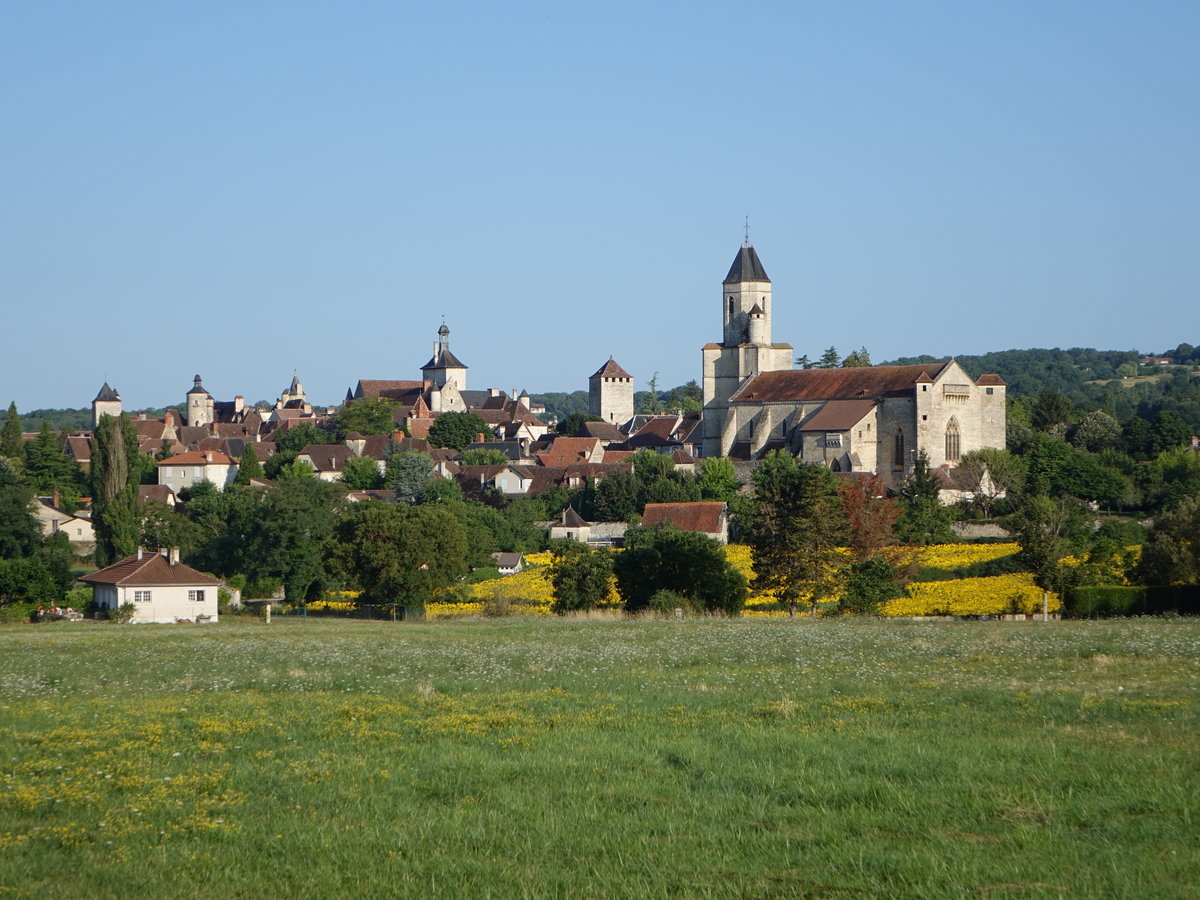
x=298 y=437
x=402 y=556
x=829 y=359
x=248 y=466
x=483 y=456
x=870 y=583
x=114 y=489
x=407 y=472
x=857 y=359
x=1097 y=431
x=572 y=425
x=1051 y=408
x=795 y=528
x=1046 y=531
x=616 y=497
x=296 y=469
x=291 y=533
x=718 y=479
x=1172 y=554
x=47 y=465
x=804 y=362
x=925 y=519
x=579 y=576
x=651 y=401
x=870 y=515
x=686 y=398
x=1005 y=473
x=367 y=416
x=11 y=442
x=19 y=531
x=26 y=580
x=1170 y=431
x=361 y=473
x=457 y=429
x=162 y=528
x=689 y=563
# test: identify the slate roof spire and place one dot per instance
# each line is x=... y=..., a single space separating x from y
x=746 y=267
x=107 y=395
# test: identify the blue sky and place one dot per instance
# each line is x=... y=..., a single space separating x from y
x=245 y=190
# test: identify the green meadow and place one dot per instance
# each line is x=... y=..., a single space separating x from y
x=535 y=758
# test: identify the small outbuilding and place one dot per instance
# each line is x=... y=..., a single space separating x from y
x=161 y=589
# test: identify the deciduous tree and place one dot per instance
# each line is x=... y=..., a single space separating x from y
x=689 y=563
x=579 y=576
x=457 y=429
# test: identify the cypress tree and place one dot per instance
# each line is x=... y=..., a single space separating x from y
x=10 y=438
x=249 y=466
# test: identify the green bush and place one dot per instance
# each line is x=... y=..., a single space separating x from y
x=123 y=614
x=665 y=602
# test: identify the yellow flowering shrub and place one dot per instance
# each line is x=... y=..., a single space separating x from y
x=959 y=556
x=332 y=605
x=991 y=596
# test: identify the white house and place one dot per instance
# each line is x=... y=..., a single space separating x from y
x=160 y=588
x=186 y=469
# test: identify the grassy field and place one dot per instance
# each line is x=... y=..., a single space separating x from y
x=531 y=758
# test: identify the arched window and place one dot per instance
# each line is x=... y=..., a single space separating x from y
x=898 y=449
x=835 y=466
x=952 y=453
x=731 y=307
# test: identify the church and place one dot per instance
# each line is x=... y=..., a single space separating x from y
x=867 y=419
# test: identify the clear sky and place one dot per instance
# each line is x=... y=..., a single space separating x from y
x=247 y=189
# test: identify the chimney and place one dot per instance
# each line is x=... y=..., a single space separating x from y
x=56 y=489
x=173 y=556
x=479 y=437
x=139 y=554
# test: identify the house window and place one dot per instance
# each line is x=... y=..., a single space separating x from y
x=989 y=390
x=141 y=596
x=952 y=453
x=898 y=449
x=196 y=472
x=196 y=596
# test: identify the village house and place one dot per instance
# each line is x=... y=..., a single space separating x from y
x=161 y=589
x=187 y=469
x=708 y=517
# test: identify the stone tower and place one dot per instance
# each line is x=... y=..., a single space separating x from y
x=447 y=375
x=107 y=403
x=445 y=367
x=199 y=404
x=746 y=349
x=610 y=393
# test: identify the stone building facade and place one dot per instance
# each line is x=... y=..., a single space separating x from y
x=864 y=419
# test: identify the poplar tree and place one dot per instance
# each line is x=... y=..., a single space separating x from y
x=114 y=489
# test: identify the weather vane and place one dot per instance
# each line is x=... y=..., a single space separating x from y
x=747 y=231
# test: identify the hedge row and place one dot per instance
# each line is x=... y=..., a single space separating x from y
x=1110 y=600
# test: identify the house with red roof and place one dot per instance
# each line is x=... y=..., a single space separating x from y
x=709 y=517
x=160 y=588
x=186 y=469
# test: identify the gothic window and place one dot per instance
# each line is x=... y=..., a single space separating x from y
x=952 y=453
x=898 y=449
x=731 y=307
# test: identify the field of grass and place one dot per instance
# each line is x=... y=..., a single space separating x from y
x=549 y=758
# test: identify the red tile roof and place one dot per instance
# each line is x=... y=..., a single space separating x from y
x=839 y=415
x=704 y=517
x=198 y=458
x=152 y=569
x=990 y=379
x=834 y=384
x=568 y=450
x=611 y=369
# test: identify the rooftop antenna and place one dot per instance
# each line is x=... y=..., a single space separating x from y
x=747 y=241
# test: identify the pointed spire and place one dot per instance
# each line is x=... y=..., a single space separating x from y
x=107 y=395
x=746 y=267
